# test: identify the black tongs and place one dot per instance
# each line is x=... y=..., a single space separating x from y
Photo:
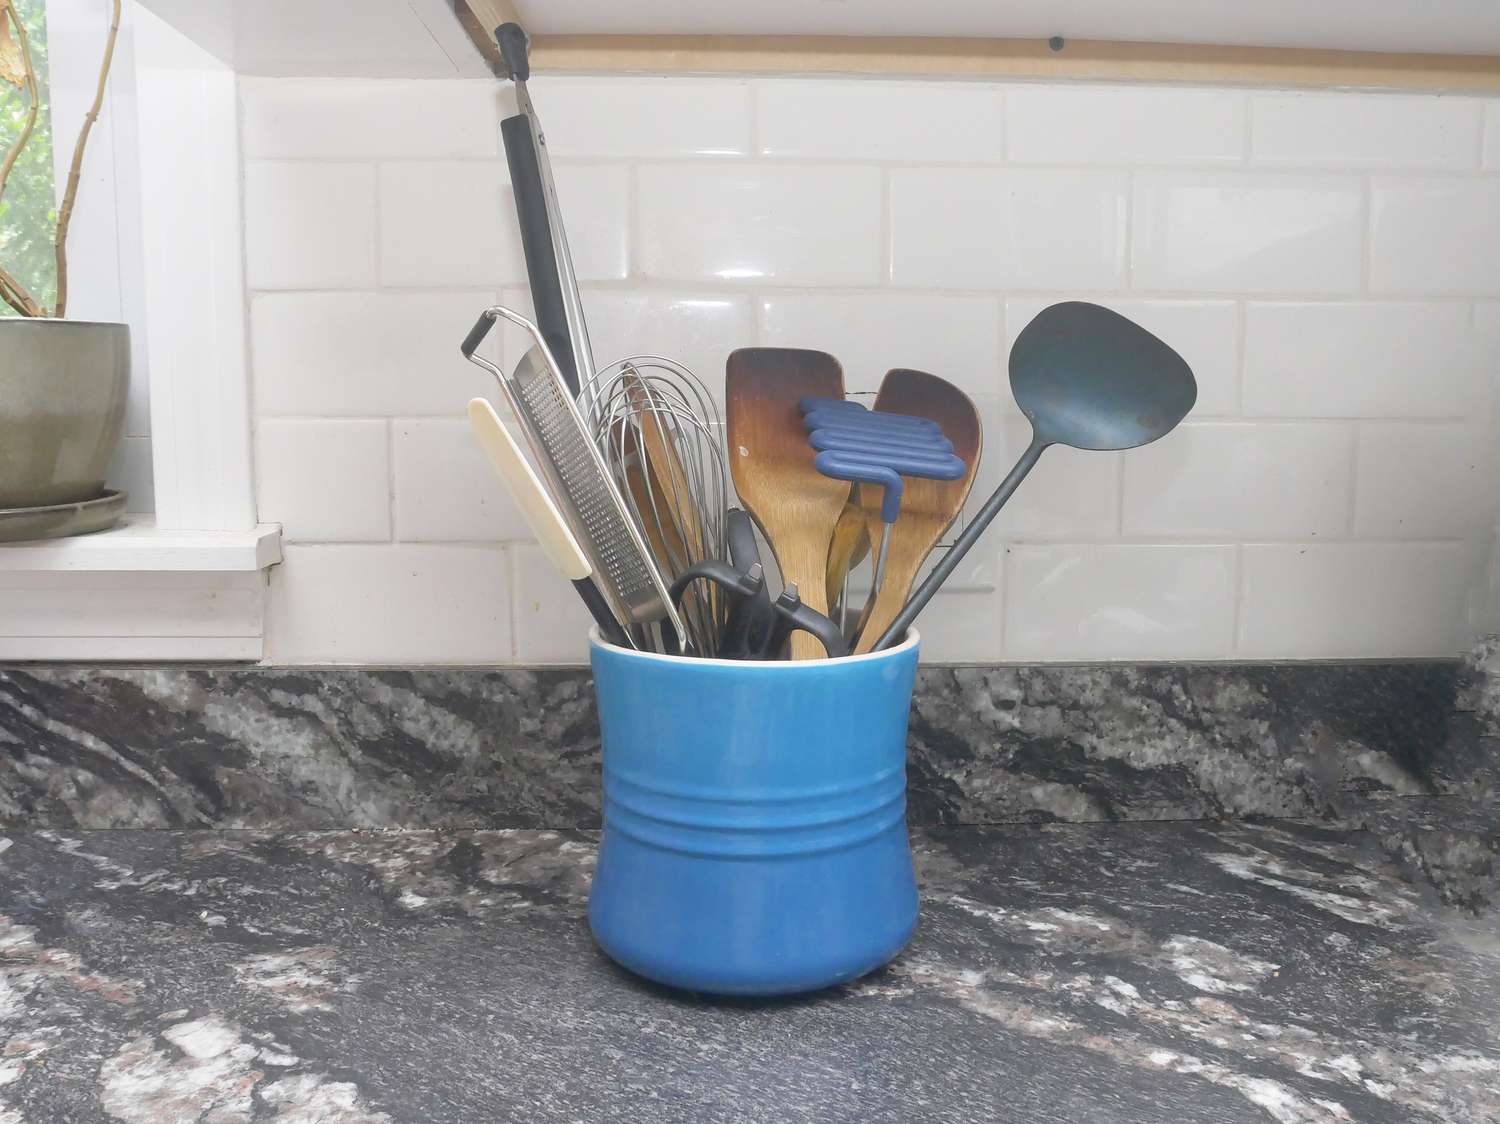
x=758 y=627
x=549 y=265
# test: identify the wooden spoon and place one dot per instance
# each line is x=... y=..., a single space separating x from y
x=795 y=505
x=674 y=492
x=662 y=534
x=928 y=507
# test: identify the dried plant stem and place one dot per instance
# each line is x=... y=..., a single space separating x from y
x=65 y=212
x=15 y=295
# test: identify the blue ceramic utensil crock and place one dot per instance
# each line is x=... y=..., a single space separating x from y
x=754 y=818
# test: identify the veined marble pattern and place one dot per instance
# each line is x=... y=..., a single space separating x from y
x=326 y=747
x=1120 y=973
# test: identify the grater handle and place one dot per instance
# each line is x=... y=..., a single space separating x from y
x=477 y=333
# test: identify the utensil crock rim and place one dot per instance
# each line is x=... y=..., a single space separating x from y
x=913 y=638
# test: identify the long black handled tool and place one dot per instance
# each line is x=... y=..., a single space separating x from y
x=1085 y=377
x=751 y=618
x=549 y=265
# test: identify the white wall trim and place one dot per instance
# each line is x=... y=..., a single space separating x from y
x=192 y=245
x=132 y=616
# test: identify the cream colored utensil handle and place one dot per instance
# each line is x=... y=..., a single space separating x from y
x=526 y=489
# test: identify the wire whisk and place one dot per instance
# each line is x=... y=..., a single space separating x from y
x=661 y=436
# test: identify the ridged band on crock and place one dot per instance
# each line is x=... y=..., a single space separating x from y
x=767 y=824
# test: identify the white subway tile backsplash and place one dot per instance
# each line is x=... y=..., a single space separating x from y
x=353 y=119
x=902 y=121
x=595 y=204
x=392 y=603
x=1491 y=156
x=1070 y=494
x=962 y=627
x=1330 y=492
x=1119 y=601
x=1360 y=359
x=309 y=226
x=957 y=338
x=1343 y=600
x=1434 y=235
x=551 y=625
x=1418 y=480
x=1058 y=124
x=698 y=330
x=650 y=117
x=1203 y=332
x=365 y=353
x=1364 y=130
x=1248 y=232
x=445 y=487
x=448 y=224
x=971 y=228
x=1241 y=480
x=798 y=225
x=324 y=481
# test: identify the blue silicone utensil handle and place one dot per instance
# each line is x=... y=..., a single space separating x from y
x=847 y=466
x=846 y=437
x=829 y=415
x=813 y=403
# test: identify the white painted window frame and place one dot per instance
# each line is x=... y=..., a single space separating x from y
x=157 y=242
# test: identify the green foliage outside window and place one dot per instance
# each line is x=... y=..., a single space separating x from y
x=28 y=210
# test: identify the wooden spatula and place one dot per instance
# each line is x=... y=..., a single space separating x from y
x=675 y=493
x=795 y=505
x=928 y=507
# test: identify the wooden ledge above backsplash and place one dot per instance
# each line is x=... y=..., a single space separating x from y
x=1079 y=59
x=1083 y=59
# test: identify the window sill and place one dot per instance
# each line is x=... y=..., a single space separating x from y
x=136 y=544
x=137 y=592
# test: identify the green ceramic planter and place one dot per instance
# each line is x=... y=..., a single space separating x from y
x=63 y=385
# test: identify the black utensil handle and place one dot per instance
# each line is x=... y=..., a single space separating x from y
x=720 y=573
x=918 y=600
x=750 y=618
x=598 y=608
x=476 y=334
x=739 y=534
x=513 y=43
x=804 y=618
x=519 y=136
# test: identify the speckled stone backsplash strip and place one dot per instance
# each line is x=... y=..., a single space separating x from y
x=329 y=747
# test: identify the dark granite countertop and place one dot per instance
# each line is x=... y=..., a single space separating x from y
x=1182 y=972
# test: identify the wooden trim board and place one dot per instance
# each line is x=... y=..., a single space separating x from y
x=1083 y=59
x=480 y=18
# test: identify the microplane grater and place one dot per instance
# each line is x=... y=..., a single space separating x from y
x=582 y=488
x=614 y=551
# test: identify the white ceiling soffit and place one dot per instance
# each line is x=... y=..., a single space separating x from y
x=334 y=38
x=1438 y=26
x=423 y=39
